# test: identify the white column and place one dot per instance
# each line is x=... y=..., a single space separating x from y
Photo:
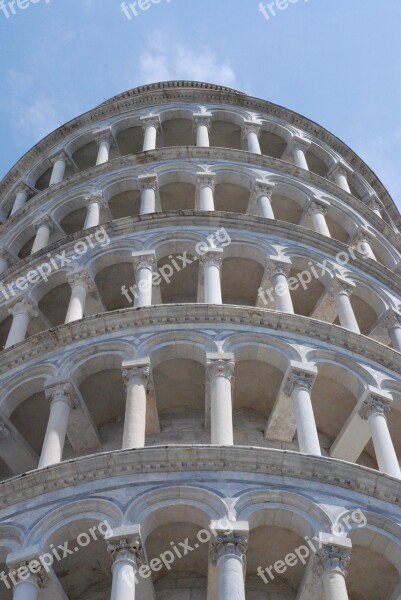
x=318 y=214
x=105 y=141
x=211 y=263
x=299 y=387
x=59 y=167
x=27 y=589
x=151 y=126
x=148 y=184
x=296 y=150
x=374 y=410
x=339 y=174
x=42 y=236
x=21 y=197
x=95 y=202
x=206 y=188
x=61 y=401
x=220 y=379
x=126 y=550
x=263 y=192
x=228 y=554
x=22 y=313
x=341 y=292
x=374 y=205
x=362 y=242
x=136 y=376
x=144 y=263
x=332 y=560
x=393 y=324
x=202 y=124
x=251 y=132
x=278 y=271
x=79 y=283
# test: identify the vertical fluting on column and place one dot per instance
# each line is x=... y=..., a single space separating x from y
x=211 y=263
x=127 y=554
x=206 y=184
x=22 y=312
x=151 y=127
x=341 y=291
x=228 y=554
x=59 y=162
x=374 y=409
x=339 y=174
x=318 y=212
x=105 y=141
x=61 y=396
x=251 y=132
x=22 y=193
x=278 y=270
x=94 y=203
x=43 y=231
x=263 y=192
x=136 y=376
x=299 y=387
x=149 y=187
x=393 y=324
x=144 y=263
x=80 y=285
x=332 y=560
x=202 y=124
x=220 y=381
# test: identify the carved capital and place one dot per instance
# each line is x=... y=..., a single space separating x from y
x=206 y=180
x=61 y=392
x=341 y=287
x=332 y=558
x=133 y=370
x=148 y=181
x=301 y=379
x=220 y=367
x=263 y=188
x=340 y=168
x=129 y=548
x=275 y=266
x=151 y=121
x=212 y=258
x=316 y=207
x=61 y=155
x=202 y=119
x=374 y=405
x=251 y=127
x=81 y=278
x=228 y=544
x=392 y=321
x=96 y=198
x=23 y=308
x=104 y=135
x=144 y=260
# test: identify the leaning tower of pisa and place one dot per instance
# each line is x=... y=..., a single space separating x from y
x=200 y=375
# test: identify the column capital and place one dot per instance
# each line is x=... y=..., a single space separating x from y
x=297 y=141
x=317 y=207
x=96 y=198
x=373 y=202
x=44 y=220
x=144 y=259
x=23 y=307
x=202 y=119
x=341 y=286
x=212 y=257
x=61 y=391
x=278 y=265
x=362 y=236
x=206 y=180
x=148 y=181
x=104 y=135
x=134 y=369
x=151 y=121
x=229 y=542
x=392 y=320
x=22 y=559
x=220 y=365
x=126 y=543
x=340 y=168
x=22 y=186
x=60 y=155
x=263 y=188
x=300 y=375
x=333 y=557
x=80 y=278
x=251 y=127
x=376 y=402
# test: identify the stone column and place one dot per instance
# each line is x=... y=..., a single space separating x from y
x=21 y=197
x=263 y=192
x=297 y=149
x=29 y=585
x=206 y=187
x=202 y=123
x=393 y=324
x=374 y=204
x=5 y=260
x=79 y=283
x=228 y=554
x=299 y=388
x=374 y=410
x=136 y=374
x=151 y=126
x=211 y=262
x=61 y=398
x=332 y=560
x=362 y=242
x=22 y=313
x=220 y=379
x=144 y=263
x=26 y=589
x=104 y=141
x=126 y=550
x=251 y=132
x=278 y=271
x=148 y=184
x=59 y=162
x=95 y=202
x=42 y=235
x=341 y=292
x=339 y=174
x=318 y=214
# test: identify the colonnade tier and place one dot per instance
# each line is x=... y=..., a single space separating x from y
x=123 y=189
x=140 y=261
x=234 y=376
x=209 y=527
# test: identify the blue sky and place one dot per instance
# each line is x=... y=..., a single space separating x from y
x=337 y=62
